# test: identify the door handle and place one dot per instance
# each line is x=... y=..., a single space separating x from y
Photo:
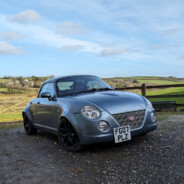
x=38 y=102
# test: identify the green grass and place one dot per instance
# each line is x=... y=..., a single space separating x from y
x=160 y=82
x=138 y=77
x=167 y=91
x=177 y=100
x=10 y=125
x=170 y=113
x=161 y=116
x=4 y=80
x=7 y=101
x=153 y=80
x=3 y=90
x=4 y=116
x=147 y=77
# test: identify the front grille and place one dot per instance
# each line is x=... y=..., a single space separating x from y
x=134 y=118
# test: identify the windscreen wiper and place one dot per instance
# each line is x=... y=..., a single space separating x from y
x=79 y=92
x=72 y=94
x=91 y=90
x=88 y=91
x=98 y=89
x=69 y=94
x=104 y=89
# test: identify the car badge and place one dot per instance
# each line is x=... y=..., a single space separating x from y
x=131 y=118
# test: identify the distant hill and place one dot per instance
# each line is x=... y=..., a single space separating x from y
x=116 y=82
x=138 y=80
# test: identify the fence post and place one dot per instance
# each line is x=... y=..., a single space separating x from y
x=143 y=89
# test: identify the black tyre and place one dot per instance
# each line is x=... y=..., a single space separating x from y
x=68 y=137
x=29 y=129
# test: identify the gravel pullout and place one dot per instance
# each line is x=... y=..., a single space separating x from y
x=157 y=157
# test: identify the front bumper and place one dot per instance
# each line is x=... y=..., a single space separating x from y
x=89 y=132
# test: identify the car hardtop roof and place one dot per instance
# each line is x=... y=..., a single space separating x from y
x=67 y=76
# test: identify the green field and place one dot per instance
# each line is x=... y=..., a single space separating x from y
x=167 y=91
x=12 y=105
x=3 y=90
x=4 y=80
x=159 y=81
x=155 y=80
x=11 y=116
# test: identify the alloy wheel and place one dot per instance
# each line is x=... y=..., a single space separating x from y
x=68 y=136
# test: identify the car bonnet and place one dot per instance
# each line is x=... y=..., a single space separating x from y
x=115 y=101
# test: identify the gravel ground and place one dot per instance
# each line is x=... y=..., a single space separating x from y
x=157 y=157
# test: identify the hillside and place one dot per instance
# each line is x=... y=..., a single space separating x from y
x=137 y=81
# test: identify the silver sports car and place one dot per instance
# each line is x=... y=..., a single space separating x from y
x=83 y=109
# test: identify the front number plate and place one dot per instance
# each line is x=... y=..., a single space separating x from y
x=122 y=134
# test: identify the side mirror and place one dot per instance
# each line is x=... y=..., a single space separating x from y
x=46 y=95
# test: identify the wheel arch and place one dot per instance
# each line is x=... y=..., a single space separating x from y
x=74 y=124
x=23 y=114
x=27 y=113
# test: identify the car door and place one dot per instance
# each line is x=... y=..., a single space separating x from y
x=32 y=109
x=47 y=109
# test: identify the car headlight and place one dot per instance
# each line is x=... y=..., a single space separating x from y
x=153 y=117
x=90 y=112
x=149 y=104
x=103 y=126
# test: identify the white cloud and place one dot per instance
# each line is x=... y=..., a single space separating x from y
x=8 y=49
x=163 y=46
x=181 y=57
x=47 y=37
x=112 y=51
x=72 y=48
x=170 y=32
x=70 y=28
x=9 y=35
x=25 y=17
x=136 y=25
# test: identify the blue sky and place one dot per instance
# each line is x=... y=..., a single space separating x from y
x=99 y=37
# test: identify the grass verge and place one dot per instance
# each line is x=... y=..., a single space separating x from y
x=161 y=116
x=10 y=125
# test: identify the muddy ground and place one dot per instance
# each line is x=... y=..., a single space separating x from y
x=157 y=157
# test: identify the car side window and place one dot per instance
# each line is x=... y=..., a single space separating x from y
x=48 y=87
x=66 y=85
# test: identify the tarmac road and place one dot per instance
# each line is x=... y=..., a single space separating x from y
x=157 y=157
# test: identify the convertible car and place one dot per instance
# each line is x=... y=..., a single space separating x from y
x=83 y=109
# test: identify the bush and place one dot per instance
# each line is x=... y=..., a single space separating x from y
x=2 y=85
x=135 y=81
x=37 y=84
x=17 y=90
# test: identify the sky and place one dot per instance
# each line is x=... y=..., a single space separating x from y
x=99 y=37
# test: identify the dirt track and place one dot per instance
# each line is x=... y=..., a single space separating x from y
x=157 y=157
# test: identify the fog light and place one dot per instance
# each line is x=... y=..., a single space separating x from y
x=103 y=126
x=153 y=117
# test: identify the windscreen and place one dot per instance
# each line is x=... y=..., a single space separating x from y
x=79 y=84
